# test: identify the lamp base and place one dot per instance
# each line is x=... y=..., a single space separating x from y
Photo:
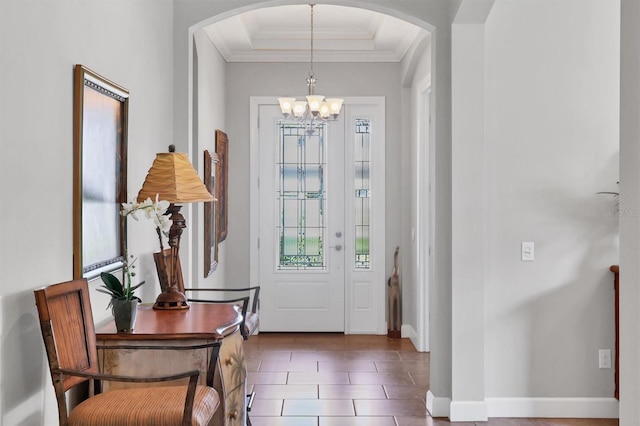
x=171 y=299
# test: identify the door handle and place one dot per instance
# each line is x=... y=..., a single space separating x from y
x=338 y=247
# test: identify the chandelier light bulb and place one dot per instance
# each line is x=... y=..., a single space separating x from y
x=314 y=102
x=299 y=108
x=335 y=105
x=286 y=105
x=324 y=110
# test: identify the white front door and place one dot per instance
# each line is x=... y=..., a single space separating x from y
x=313 y=219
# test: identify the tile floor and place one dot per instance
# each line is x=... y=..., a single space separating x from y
x=317 y=379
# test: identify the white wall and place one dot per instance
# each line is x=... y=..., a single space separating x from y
x=468 y=212
x=416 y=78
x=630 y=207
x=551 y=143
x=211 y=112
x=40 y=41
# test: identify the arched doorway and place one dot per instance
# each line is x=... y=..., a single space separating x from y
x=442 y=377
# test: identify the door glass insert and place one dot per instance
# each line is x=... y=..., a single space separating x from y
x=301 y=196
x=362 y=192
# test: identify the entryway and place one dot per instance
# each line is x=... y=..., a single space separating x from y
x=318 y=207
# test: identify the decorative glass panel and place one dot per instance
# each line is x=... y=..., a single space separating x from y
x=301 y=197
x=362 y=192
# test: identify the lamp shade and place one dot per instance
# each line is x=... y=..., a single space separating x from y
x=173 y=178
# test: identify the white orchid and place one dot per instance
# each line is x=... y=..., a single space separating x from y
x=154 y=210
x=163 y=223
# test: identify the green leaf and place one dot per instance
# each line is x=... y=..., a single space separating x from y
x=112 y=284
x=136 y=286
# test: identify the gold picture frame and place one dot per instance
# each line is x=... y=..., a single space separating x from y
x=100 y=119
x=222 y=176
x=210 y=234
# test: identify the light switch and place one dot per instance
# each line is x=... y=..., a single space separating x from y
x=527 y=251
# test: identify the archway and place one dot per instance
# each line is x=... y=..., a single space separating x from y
x=194 y=20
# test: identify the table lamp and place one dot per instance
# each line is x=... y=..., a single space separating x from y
x=173 y=178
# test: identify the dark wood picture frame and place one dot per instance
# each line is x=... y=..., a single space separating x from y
x=100 y=120
x=222 y=175
x=210 y=234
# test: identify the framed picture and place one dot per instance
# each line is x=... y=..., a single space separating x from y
x=222 y=174
x=100 y=112
x=210 y=235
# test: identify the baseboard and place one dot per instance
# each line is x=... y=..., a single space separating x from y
x=468 y=411
x=408 y=331
x=588 y=408
x=438 y=407
x=579 y=408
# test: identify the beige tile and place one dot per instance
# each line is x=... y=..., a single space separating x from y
x=405 y=392
x=267 y=355
x=252 y=364
x=330 y=378
x=395 y=359
x=284 y=421
x=362 y=378
x=395 y=366
x=390 y=407
x=267 y=378
x=266 y=407
x=318 y=356
x=413 y=356
x=420 y=379
x=379 y=355
x=289 y=366
x=286 y=391
x=352 y=365
x=357 y=421
x=318 y=407
x=351 y=392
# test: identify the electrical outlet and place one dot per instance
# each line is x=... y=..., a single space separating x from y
x=604 y=358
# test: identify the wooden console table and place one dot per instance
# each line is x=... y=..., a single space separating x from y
x=616 y=285
x=171 y=341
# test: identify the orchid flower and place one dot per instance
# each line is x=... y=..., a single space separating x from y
x=153 y=210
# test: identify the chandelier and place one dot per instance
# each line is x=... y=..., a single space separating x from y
x=316 y=108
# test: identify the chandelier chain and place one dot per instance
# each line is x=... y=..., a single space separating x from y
x=311 y=50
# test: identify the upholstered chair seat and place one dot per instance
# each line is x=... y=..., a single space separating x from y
x=157 y=406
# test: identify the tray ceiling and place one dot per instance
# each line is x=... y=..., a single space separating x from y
x=341 y=34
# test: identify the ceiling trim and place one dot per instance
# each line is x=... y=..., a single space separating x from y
x=344 y=34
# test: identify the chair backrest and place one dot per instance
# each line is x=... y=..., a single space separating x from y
x=68 y=332
x=248 y=303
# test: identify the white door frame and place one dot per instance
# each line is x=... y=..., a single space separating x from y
x=361 y=316
x=425 y=214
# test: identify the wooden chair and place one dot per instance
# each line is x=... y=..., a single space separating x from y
x=69 y=337
x=251 y=297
